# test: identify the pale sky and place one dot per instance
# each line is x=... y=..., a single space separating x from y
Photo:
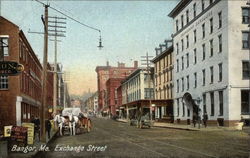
x=129 y=30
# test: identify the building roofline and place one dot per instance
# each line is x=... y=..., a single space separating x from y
x=165 y=52
x=22 y=35
x=9 y=21
x=178 y=8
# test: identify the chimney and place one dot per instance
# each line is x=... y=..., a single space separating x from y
x=136 y=64
x=121 y=64
x=156 y=51
x=168 y=43
x=160 y=45
x=107 y=63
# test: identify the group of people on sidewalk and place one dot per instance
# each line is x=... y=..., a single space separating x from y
x=36 y=122
x=197 y=119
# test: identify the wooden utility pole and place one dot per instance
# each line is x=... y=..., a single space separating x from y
x=44 y=110
x=147 y=60
x=55 y=25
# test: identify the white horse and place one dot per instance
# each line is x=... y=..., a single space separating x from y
x=74 y=121
x=60 y=122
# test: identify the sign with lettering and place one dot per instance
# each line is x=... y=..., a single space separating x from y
x=10 y=68
x=30 y=136
x=19 y=134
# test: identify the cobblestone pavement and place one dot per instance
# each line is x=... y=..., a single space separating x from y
x=117 y=139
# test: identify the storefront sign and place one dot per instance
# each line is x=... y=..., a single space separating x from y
x=7 y=131
x=19 y=134
x=10 y=68
x=30 y=137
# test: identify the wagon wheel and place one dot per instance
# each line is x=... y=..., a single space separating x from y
x=88 y=126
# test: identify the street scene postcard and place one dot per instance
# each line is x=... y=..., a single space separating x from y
x=124 y=78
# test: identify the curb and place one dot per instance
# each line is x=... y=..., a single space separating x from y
x=36 y=155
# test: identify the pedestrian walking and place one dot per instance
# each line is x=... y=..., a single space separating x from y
x=205 y=118
x=194 y=119
x=36 y=122
x=48 y=127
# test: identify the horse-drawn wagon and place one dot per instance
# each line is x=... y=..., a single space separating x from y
x=72 y=120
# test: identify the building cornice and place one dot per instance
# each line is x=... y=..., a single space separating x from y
x=179 y=7
x=163 y=54
x=197 y=17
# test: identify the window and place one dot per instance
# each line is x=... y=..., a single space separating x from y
x=182 y=45
x=187 y=16
x=182 y=62
x=194 y=9
x=220 y=19
x=4 y=82
x=177 y=25
x=195 y=38
x=202 y=5
x=182 y=22
x=211 y=74
x=245 y=104
x=177 y=48
x=220 y=43
x=182 y=82
x=183 y=109
x=211 y=48
x=195 y=80
x=245 y=40
x=246 y=69
x=203 y=31
x=177 y=82
x=245 y=15
x=187 y=60
x=211 y=25
x=203 y=77
x=195 y=56
x=204 y=103
x=221 y=103
x=212 y=103
x=187 y=82
x=177 y=65
x=203 y=51
x=187 y=38
x=4 y=45
x=220 y=72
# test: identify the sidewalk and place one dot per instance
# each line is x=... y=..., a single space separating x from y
x=37 y=145
x=191 y=127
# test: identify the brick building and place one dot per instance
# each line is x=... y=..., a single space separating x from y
x=20 y=96
x=112 y=84
x=106 y=72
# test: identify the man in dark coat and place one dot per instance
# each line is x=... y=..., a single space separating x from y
x=205 y=118
x=48 y=127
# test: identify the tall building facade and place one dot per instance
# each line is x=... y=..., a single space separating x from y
x=20 y=96
x=106 y=72
x=211 y=61
x=163 y=80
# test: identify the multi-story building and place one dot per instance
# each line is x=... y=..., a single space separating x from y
x=137 y=92
x=106 y=72
x=112 y=84
x=163 y=80
x=20 y=96
x=211 y=54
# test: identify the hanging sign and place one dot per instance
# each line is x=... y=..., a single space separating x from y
x=10 y=68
